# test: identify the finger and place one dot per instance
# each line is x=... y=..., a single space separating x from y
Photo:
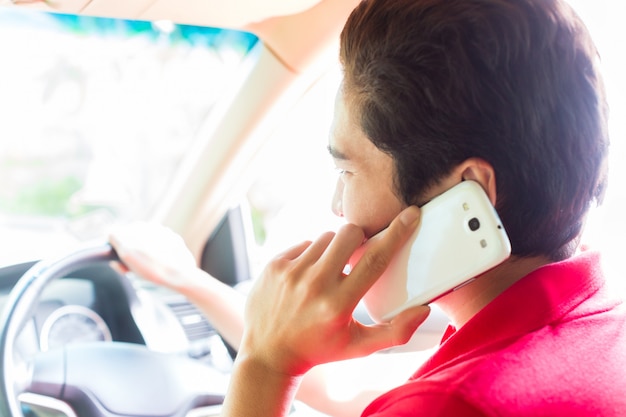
x=294 y=251
x=122 y=239
x=379 y=253
x=397 y=332
x=119 y=267
x=313 y=253
x=348 y=239
x=139 y=264
x=115 y=242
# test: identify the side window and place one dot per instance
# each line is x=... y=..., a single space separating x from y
x=225 y=255
x=291 y=199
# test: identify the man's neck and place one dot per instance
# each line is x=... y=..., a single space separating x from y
x=461 y=305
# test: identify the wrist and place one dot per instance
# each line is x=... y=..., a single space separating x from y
x=190 y=281
x=257 y=389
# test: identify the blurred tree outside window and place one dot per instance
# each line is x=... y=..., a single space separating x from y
x=96 y=115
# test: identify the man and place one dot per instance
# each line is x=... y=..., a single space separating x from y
x=505 y=93
x=502 y=92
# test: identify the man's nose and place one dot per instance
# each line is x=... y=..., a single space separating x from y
x=337 y=204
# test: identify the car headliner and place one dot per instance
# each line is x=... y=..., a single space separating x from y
x=294 y=29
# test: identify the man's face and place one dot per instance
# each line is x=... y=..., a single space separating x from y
x=365 y=193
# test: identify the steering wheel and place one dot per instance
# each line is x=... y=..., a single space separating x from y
x=102 y=379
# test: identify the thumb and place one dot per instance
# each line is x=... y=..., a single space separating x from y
x=378 y=252
x=407 y=322
x=396 y=332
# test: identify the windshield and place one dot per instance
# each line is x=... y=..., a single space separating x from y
x=116 y=104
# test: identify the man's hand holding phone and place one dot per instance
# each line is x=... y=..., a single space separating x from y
x=299 y=312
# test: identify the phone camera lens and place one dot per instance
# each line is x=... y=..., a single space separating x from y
x=473 y=224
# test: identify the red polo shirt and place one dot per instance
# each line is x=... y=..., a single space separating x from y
x=553 y=344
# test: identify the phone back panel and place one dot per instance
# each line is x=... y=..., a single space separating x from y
x=446 y=251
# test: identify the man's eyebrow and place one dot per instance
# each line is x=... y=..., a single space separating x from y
x=336 y=154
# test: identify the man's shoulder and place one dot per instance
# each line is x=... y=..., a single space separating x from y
x=427 y=398
x=546 y=371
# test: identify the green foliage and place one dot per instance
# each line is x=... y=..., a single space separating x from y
x=48 y=197
x=258 y=226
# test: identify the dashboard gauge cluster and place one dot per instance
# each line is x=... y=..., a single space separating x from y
x=72 y=324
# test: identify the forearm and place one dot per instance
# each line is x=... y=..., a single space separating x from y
x=316 y=392
x=345 y=388
x=256 y=391
x=222 y=305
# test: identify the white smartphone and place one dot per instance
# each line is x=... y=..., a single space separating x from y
x=460 y=236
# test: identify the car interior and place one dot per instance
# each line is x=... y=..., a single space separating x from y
x=216 y=127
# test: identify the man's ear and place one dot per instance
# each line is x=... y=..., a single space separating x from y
x=482 y=172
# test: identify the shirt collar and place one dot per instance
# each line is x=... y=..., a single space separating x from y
x=540 y=298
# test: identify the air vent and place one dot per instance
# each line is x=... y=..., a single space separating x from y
x=194 y=323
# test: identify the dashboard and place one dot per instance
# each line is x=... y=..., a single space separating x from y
x=70 y=324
